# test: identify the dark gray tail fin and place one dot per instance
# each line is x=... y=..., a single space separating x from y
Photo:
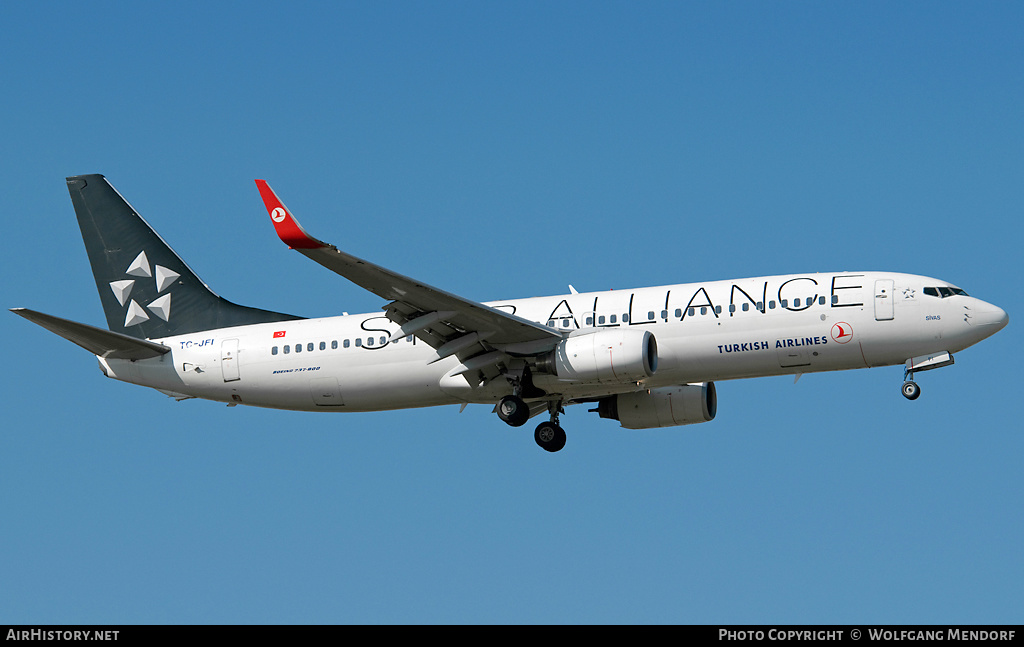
x=146 y=290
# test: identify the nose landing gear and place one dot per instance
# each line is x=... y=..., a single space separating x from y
x=911 y=390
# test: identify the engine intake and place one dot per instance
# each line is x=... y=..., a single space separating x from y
x=663 y=407
x=613 y=356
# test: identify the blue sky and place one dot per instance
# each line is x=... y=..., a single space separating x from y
x=502 y=151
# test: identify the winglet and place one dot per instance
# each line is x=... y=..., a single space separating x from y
x=287 y=227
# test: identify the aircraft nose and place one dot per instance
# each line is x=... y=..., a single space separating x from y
x=1000 y=318
x=993 y=318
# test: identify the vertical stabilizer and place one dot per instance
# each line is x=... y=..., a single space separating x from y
x=147 y=291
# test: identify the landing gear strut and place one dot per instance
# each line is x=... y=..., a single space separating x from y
x=549 y=435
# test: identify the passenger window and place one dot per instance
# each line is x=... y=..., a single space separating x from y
x=323 y=345
x=664 y=314
x=650 y=316
x=835 y=299
x=679 y=313
x=273 y=351
x=287 y=349
x=334 y=344
x=298 y=348
x=359 y=342
x=383 y=341
x=732 y=307
x=600 y=319
x=551 y=323
x=760 y=306
x=771 y=305
x=689 y=312
x=625 y=318
x=746 y=307
x=703 y=310
x=345 y=344
x=590 y=321
x=821 y=301
x=309 y=347
x=369 y=341
x=718 y=310
x=611 y=319
x=783 y=302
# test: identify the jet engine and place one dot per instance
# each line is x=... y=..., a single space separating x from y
x=663 y=407
x=612 y=356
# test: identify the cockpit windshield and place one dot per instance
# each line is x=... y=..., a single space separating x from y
x=944 y=291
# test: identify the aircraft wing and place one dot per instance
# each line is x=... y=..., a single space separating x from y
x=449 y=323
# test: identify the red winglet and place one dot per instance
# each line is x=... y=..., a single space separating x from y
x=287 y=227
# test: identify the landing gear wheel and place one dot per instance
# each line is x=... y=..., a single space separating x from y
x=513 y=411
x=549 y=436
x=911 y=390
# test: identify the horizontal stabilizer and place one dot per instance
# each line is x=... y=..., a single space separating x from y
x=97 y=341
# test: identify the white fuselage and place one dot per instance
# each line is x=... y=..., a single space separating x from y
x=717 y=330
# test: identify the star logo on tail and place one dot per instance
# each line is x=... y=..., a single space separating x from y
x=163 y=279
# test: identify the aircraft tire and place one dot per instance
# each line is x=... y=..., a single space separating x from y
x=549 y=436
x=513 y=411
x=911 y=390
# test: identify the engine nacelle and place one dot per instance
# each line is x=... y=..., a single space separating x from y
x=612 y=356
x=664 y=407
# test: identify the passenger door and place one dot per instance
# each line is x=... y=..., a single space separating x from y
x=884 y=299
x=229 y=360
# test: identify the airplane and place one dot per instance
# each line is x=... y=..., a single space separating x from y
x=646 y=357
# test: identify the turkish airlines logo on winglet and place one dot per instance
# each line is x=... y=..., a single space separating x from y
x=278 y=214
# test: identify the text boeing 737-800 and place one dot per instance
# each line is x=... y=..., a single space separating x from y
x=646 y=357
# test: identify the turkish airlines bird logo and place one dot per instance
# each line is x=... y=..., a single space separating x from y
x=842 y=332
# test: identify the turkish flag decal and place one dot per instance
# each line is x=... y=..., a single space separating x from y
x=279 y=333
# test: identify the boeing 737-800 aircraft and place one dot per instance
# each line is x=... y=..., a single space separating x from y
x=647 y=357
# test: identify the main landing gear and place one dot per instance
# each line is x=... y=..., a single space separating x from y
x=513 y=411
x=549 y=435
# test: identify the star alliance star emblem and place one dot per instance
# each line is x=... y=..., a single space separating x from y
x=163 y=278
x=908 y=293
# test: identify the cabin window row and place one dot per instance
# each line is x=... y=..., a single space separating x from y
x=309 y=347
x=611 y=319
